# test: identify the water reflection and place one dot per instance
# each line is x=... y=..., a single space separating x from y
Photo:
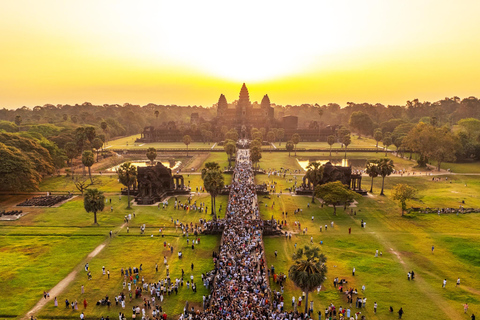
x=144 y=163
x=355 y=163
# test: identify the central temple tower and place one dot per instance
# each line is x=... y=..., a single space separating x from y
x=244 y=105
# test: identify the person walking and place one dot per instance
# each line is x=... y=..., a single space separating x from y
x=465 y=308
x=400 y=313
x=444 y=283
x=353 y=271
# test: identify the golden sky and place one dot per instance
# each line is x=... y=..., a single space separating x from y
x=188 y=52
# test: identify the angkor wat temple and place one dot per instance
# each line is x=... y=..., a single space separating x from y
x=241 y=114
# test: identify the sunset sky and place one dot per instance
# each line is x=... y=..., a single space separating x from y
x=189 y=52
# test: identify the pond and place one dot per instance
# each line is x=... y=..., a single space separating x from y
x=144 y=163
x=355 y=163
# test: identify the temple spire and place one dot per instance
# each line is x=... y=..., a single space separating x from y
x=222 y=102
x=244 y=94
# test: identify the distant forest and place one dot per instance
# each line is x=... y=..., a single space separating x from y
x=50 y=137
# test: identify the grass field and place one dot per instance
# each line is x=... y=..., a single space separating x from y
x=41 y=248
x=129 y=143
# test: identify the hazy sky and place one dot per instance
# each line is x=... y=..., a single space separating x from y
x=189 y=52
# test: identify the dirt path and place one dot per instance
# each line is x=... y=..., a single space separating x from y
x=65 y=282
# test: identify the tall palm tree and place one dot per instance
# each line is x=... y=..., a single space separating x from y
x=346 y=141
x=295 y=140
x=88 y=159
x=230 y=149
x=94 y=201
x=214 y=182
x=331 y=140
x=309 y=273
x=210 y=166
x=127 y=174
x=314 y=175
x=372 y=171
x=385 y=168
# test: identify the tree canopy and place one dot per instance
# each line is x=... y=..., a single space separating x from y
x=334 y=193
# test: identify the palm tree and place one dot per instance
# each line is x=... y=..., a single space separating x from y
x=230 y=149
x=88 y=160
x=314 y=175
x=331 y=140
x=280 y=134
x=97 y=144
x=289 y=146
x=255 y=155
x=295 y=140
x=71 y=152
x=372 y=170
x=127 y=174
x=94 y=201
x=309 y=273
x=187 y=140
x=385 y=168
x=346 y=141
x=151 y=154
x=378 y=136
x=213 y=182
x=104 y=126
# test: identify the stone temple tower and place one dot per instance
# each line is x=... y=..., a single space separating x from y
x=244 y=104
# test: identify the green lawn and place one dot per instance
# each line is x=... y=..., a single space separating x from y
x=129 y=143
x=107 y=183
x=31 y=264
x=130 y=251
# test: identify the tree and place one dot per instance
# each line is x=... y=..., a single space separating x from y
x=361 y=122
x=402 y=193
x=289 y=146
x=90 y=134
x=255 y=154
x=88 y=160
x=331 y=140
x=213 y=182
x=127 y=175
x=232 y=134
x=83 y=183
x=65 y=117
x=151 y=154
x=271 y=137
x=314 y=175
x=72 y=152
x=17 y=172
x=104 y=126
x=97 y=144
x=295 y=140
x=187 y=140
x=280 y=134
x=18 y=121
x=372 y=170
x=387 y=141
x=385 y=168
x=94 y=201
x=346 y=141
x=378 y=136
x=230 y=148
x=333 y=193
x=309 y=273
